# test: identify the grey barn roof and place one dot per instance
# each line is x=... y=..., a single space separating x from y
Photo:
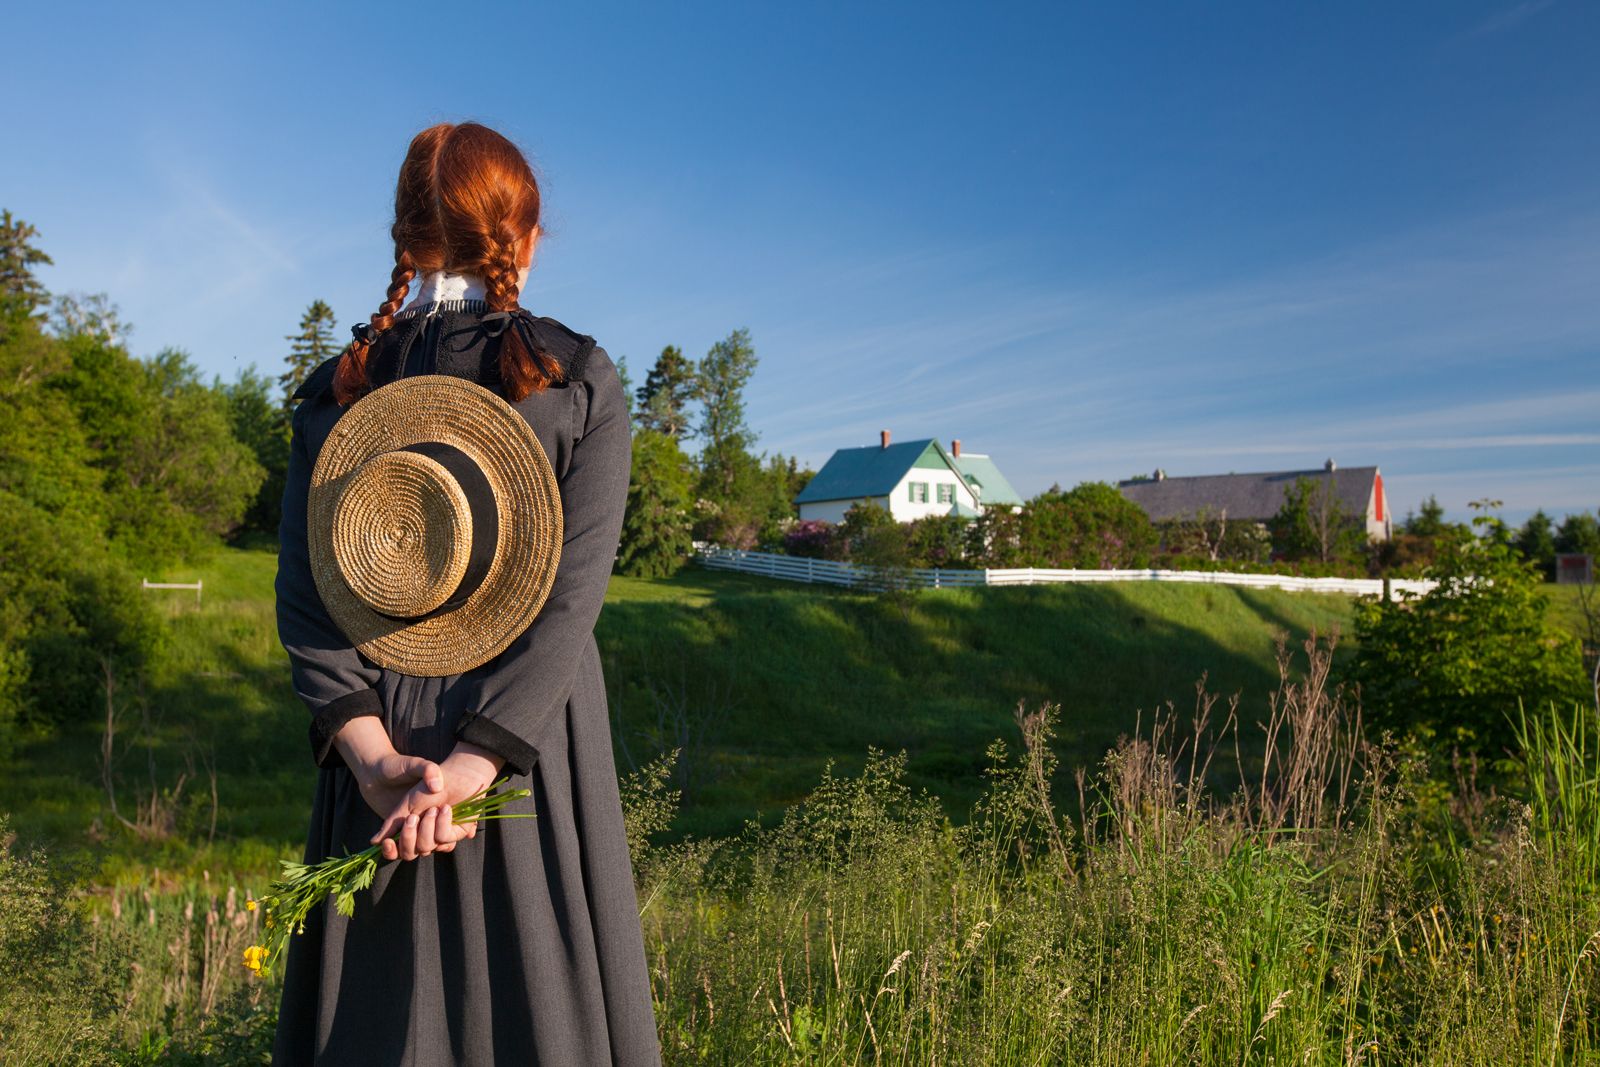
x=1244 y=496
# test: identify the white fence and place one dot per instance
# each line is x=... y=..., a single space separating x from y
x=794 y=569
x=148 y=584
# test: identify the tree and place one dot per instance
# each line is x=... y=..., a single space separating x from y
x=1579 y=533
x=258 y=423
x=1212 y=535
x=1313 y=524
x=21 y=293
x=308 y=349
x=1428 y=521
x=68 y=603
x=1537 y=543
x=667 y=391
x=655 y=527
x=175 y=476
x=1091 y=526
x=720 y=382
x=90 y=315
x=1455 y=662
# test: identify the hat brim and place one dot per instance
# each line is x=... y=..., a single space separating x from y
x=443 y=408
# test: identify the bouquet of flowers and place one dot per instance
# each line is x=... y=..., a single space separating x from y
x=302 y=887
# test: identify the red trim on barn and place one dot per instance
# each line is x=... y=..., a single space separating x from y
x=1377 y=496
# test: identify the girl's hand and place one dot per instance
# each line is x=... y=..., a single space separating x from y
x=426 y=818
x=385 y=777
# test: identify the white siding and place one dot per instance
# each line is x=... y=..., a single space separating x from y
x=903 y=508
x=832 y=510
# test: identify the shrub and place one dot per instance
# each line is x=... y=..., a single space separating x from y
x=863 y=522
x=1091 y=526
x=1454 y=663
x=937 y=541
x=809 y=539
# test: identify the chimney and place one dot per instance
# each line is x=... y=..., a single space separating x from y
x=955 y=448
x=1330 y=466
x=883 y=438
x=1161 y=475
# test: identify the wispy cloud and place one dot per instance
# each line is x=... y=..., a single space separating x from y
x=1453 y=339
x=1508 y=19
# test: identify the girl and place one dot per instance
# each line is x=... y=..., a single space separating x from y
x=520 y=944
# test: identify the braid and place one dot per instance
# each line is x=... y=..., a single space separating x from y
x=521 y=371
x=350 y=381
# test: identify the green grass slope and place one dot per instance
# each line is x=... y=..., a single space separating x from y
x=761 y=682
x=758 y=683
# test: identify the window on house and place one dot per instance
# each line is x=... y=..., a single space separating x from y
x=947 y=493
x=918 y=492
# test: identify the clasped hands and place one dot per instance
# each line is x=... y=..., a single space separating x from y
x=411 y=794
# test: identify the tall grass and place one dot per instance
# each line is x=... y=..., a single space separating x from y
x=1323 y=914
x=1249 y=883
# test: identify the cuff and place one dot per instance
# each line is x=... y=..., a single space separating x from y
x=486 y=733
x=332 y=717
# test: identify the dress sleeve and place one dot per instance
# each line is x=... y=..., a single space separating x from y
x=336 y=682
x=516 y=694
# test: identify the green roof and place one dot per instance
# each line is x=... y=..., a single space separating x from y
x=853 y=473
x=981 y=473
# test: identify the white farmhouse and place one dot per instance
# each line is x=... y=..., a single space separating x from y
x=911 y=480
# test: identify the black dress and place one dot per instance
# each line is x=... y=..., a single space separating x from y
x=522 y=946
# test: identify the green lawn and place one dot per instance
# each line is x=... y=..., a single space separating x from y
x=759 y=683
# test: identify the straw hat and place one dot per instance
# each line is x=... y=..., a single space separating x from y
x=434 y=525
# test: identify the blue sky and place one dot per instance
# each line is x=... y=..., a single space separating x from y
x=1089 y=240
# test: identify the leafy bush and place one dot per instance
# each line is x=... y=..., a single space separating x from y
x=809 y=539
x=937 y=541
x=1454 y=663
x=1092 y=526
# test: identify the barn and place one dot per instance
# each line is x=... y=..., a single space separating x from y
x=1257 y=497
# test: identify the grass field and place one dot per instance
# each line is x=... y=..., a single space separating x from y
x=758 y=683
x=987 y=920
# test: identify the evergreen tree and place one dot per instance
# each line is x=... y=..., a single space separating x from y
x=655 y=528
x=309 y=348
x=1537 y=543
x=1429 y=522
x=666 y=393
x=627 y=386
x=20 y=292
x=720 y=381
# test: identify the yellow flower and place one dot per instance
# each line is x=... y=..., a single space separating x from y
x=249 y=905
x=254 y=957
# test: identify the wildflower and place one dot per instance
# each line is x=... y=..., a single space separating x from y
x=250 y=905
x=302 y=887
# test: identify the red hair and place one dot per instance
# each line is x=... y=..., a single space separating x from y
x=466 y=202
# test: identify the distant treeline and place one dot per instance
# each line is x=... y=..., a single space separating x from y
x=1094 y=526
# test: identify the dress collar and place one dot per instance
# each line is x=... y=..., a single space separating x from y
x=443 y=290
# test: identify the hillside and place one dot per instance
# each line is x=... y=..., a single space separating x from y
x=759 y=683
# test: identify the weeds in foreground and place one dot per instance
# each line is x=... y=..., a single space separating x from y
x=1332 y=910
